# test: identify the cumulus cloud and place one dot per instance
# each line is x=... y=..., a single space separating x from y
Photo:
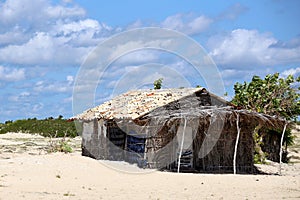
x=13 y=37
x=244 y=48
x=40 y=33
x=77 y=26
x=11 y=74
x=43 y=49
x=187 y=23
x=37 y=13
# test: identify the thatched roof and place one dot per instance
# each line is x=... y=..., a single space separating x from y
x=209 y=112
x=142 y=104
x=134 y=104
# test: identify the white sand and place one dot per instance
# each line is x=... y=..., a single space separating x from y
x=71 y=176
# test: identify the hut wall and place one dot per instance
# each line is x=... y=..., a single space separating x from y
x=220 y=158
x=160 y=147
x=94 y=142
x=105 y=140
x=271 y=145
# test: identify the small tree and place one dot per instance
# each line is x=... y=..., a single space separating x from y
x=272 y=95
x=158 y=83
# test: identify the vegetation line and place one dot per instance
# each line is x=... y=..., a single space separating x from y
x=48 y=127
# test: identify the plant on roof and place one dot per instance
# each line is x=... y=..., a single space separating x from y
x=158 y=83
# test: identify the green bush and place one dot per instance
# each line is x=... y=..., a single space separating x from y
x=158 y=83
x=48 y=127
x=62 y=145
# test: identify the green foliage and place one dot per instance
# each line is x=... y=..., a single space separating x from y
x=259 y=137
x=259 y=158
x=158 y=83
x=46 y=127
x=272 y=95
x=61 y=145
x=65 y=147
x=259 y=155
x=288 y=139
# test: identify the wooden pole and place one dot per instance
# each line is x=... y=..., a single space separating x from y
x=236 y=143
x=280 y=152
x=181 y=146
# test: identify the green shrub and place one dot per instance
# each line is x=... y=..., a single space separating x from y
x=158 y=83
x=60 y=146
x=46 y=127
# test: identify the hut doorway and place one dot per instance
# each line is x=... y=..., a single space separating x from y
x=135 y=149
x=185 y=150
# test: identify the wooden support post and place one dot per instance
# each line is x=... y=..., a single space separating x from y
x=236 y=143
x=280 y=152
x=181 y=146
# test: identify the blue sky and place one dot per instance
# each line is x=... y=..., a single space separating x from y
x=44 y=42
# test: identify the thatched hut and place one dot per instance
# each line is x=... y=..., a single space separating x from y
x=175 y=129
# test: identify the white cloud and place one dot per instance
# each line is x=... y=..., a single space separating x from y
x=35 y=13
x=40 y=33
x=78 y=26
x=187 y=23
x=292 y=71
x=70 y=79
x=82 y=33
x=247 y=48
x=198 y=25
x=11 y=74
x=64 y=12
x=56 y=87
x=43 y=49
x=13 y=37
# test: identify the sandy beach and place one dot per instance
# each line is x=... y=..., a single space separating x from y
x=32 y=173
